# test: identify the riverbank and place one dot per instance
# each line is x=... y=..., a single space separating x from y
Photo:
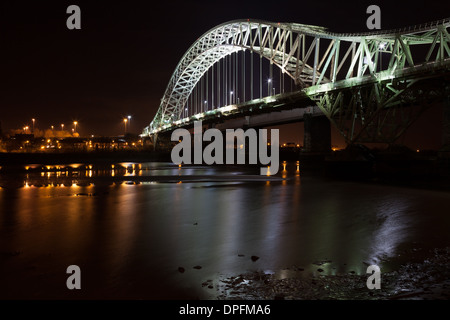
x=428 y=279
x=12 y=159
x=421 y=171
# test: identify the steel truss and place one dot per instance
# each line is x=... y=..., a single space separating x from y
x=361 y=82
x=381 y=112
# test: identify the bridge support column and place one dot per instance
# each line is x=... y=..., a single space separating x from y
x=317 y=136
x=446 y=123
x=154 y=140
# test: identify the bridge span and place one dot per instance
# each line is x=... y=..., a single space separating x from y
x=371 y=86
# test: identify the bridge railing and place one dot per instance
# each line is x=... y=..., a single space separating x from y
x=404 y=30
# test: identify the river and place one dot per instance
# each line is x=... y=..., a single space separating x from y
x=159 y=231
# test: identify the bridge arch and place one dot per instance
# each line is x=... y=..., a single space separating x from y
x=267 y=39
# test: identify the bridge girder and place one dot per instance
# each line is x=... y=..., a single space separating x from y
x=381 y=111
x=347 y=61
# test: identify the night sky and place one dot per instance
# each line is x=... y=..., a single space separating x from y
x=121 y=60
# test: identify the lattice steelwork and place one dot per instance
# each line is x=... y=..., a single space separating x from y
x=352 y=77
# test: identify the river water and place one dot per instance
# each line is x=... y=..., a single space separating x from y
x=159 y=231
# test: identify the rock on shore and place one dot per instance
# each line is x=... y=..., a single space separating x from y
x=426 y=280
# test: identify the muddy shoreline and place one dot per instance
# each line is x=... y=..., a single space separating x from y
x=428 y=279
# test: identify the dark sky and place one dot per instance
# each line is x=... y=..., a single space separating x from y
x=121 y=60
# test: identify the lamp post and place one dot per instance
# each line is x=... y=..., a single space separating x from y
x=75 y=124
x=129 y=123
x=62 y=126
x=34 y=120
x=125 y=124
x=269 y=81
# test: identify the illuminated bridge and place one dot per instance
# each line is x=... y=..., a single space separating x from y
x=251 y=73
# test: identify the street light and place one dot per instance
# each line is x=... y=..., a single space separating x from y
x=231 y=97
x=269 y=81
x=62 y=126
x=129 y=123
x=125 y=123
x=33 y=123
x=75 y=124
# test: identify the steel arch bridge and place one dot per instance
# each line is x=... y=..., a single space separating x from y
x=343 y=74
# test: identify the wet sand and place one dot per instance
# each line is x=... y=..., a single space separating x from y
x=428 y=279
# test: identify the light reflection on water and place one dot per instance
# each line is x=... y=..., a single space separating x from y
x=130 y=237
x=393 y=227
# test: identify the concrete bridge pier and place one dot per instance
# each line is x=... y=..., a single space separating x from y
x=446 y=123
x=444 y=152
x=317 y=134
x=155 y=141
